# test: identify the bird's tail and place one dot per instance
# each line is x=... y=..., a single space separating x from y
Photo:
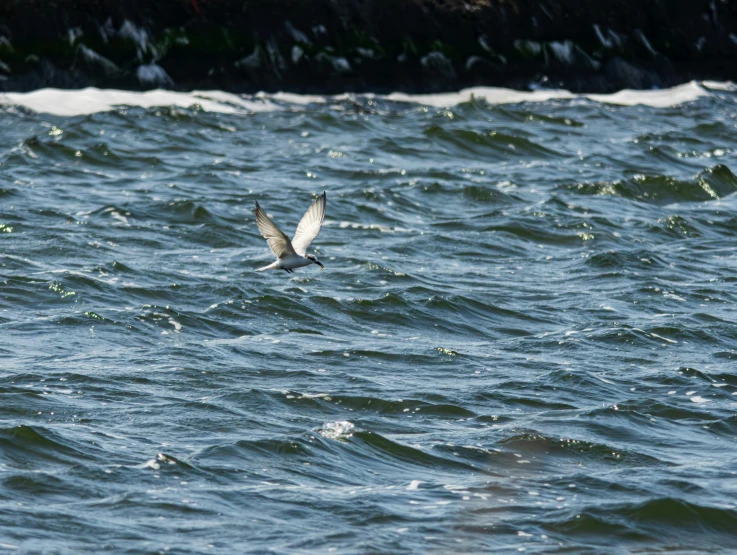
x=269 y=267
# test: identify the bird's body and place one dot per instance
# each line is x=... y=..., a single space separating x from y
x=292 y=254
x=289 y=263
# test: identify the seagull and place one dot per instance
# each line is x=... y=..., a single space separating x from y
x=292 y=254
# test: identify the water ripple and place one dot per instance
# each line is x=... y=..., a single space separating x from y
x=523 y=337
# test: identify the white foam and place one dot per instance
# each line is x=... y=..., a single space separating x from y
x=492 y=95
x=92 y=100
x=294 y=98
x=720 y=85
x=662 y=98
x=413 y=485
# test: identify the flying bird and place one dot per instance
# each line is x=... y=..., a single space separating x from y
x=292 y=254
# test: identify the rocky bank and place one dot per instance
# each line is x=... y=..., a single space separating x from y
x=329 y=46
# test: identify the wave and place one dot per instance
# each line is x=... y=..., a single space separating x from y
x=91 y=100
x=648 y=519
x=61 y=102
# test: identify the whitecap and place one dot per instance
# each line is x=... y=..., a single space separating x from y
x=413 y=485
x=341 y=429
x=92 y=100
x=661 y=98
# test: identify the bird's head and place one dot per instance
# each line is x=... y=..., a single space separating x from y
x=315 y=260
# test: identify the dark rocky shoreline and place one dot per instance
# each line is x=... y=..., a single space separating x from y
x=329 y=46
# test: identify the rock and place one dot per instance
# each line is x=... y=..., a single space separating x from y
x=438 y=64
x=330 y=46
x=627 y=76
x=92 y=61
x=153 y=75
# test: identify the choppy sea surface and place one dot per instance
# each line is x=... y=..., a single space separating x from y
x=524 y=339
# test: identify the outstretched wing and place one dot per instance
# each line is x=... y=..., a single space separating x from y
x=309 y=225
x=278 y=242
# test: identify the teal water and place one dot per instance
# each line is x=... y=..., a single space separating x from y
x=524 y=338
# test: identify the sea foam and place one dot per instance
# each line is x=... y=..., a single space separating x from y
x=91 y=100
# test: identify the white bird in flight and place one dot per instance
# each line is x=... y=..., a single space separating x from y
x=292 y=254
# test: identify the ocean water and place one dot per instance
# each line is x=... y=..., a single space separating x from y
x=524 y=339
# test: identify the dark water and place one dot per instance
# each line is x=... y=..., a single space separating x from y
x=525 y=337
